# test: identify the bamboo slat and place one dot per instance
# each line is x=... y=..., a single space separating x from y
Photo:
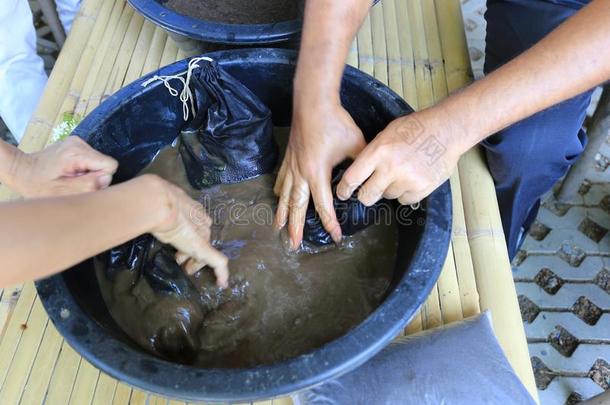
x=155 y=52
x=42 y=369
x=124 y=57
x=64 y=376
x=102 y=77
x=84 y=65
x=104 y=391
x=406 y=54
x=380 y=55
x=392 y=47
x=14 y=330
x=490 y=259
x=469 y=296
x=170 y=52
x=101 y=56
x=36 y=133
x=365 y=47
x=23 y=358
x=140 y=53
x=122 y=394
x=485 y=236
x=85 y=384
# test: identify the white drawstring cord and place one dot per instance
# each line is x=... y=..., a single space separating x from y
x=186 y=95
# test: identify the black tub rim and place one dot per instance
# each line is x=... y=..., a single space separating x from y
x=217 y=32
x=263 y=382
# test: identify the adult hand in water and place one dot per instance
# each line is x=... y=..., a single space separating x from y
x=186 y=226
x=67 y=167
x=321 y=137
x=406 y=161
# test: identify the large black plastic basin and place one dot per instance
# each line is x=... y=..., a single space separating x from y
x=132 y=126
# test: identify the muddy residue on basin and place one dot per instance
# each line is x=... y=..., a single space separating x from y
x=239 y=11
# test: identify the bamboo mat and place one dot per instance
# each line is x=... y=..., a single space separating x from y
x=417 y=47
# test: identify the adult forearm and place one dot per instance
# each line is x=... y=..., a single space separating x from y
x=329 y=29
x=569 y=61
x=41 y=237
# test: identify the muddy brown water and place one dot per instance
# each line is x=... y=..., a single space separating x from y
x=239 y=11
x=279 y=304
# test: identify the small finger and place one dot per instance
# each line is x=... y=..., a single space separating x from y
x=323 y=199
x=373 y=189
x=356 y=174
x=220 y=264
x=281 y=215
x=299 y=199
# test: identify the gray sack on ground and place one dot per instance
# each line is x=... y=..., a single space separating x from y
x=458 y=364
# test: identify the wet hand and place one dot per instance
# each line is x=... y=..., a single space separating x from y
x=187 y=227
x=406 y=161
x=67 y=167
x=321 y=137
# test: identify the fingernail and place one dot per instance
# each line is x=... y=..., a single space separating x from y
x=104 y=181
x=293 y=244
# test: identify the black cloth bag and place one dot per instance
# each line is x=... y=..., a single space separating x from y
x=230 y=139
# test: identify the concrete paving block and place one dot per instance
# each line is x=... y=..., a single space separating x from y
x=600 y=216
x=565 y=296
x=570 y=220
x=557 y=237
x=596 y=193
x=545 y=322
x=561 y=387
x=581 y=360
x=588 y=269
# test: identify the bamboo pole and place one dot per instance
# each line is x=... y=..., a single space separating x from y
x=170 y=52
x=41 y=123
x=84 y=64
x=393 y=47
x=101 y=56
x=124 y=57
x=469 y=295
x=104 y=390
x=108 y=62
x=42 y=369
x=122 y=394
x=153 y=59
x=64 y=376
x=140 y=52
x=84 y=386
x=14 y=331
x=25 y=353
x=380 y=56
x=365 y=47
x=409 y=88
x=486 y=239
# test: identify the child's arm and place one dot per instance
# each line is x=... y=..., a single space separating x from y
x=44 y=236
